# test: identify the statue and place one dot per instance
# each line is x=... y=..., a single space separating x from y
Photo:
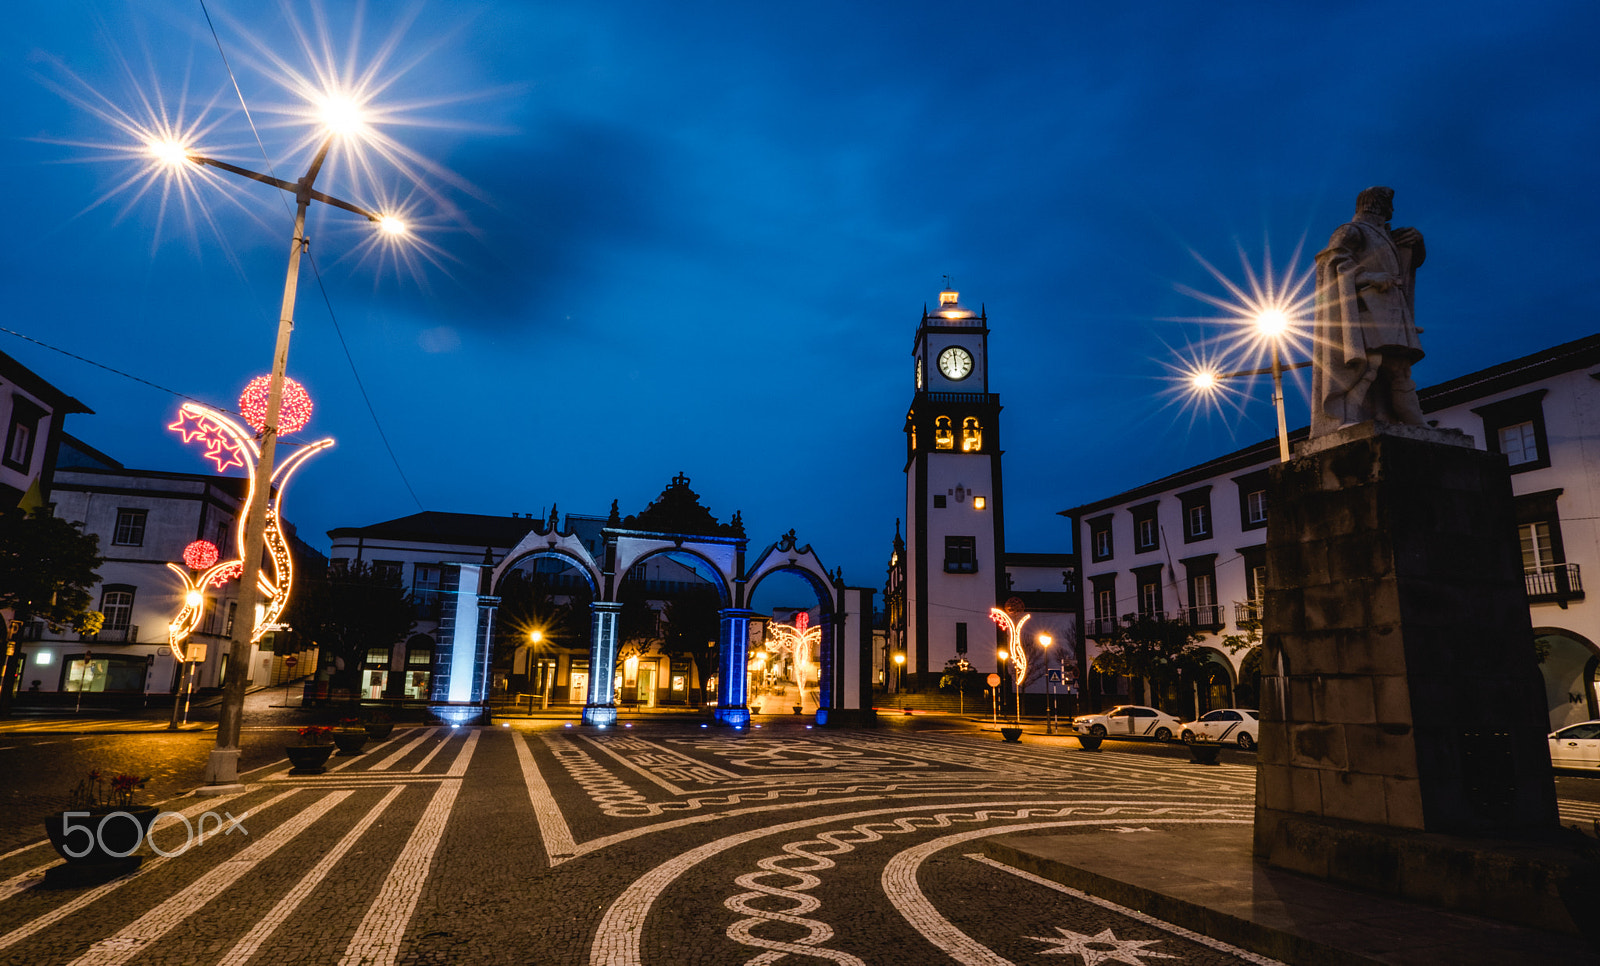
x=1366 y=334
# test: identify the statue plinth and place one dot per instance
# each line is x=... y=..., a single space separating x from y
x=1402 y=707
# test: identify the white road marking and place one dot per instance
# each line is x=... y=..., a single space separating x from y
x=32 y=877
x=458 y=768
x=402 y=751
x=553 y=828
x=616 y=942
x=268 y=924
x=899 y=881
x=377 y=938
x=1145 y=918
x=169 y=915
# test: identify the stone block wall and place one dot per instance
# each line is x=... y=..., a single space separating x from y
x=1400 y=686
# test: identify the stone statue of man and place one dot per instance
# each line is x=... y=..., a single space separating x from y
x=1366 y=334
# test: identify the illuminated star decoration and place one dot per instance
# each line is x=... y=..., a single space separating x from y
x=1100 y=948
x=229 y=444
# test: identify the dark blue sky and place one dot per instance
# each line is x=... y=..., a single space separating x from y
x=698 y=237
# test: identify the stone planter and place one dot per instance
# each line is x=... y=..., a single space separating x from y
x=1205 y=752
x=1090 y=742
x=308 y=759
x=1011 y=734
x=797 y=709
x=379 y=730
x=101 y=840
x=349 y=742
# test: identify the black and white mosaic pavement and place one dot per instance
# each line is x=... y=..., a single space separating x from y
x=664 y=843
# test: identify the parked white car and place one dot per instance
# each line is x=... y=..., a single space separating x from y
x=1576 y=746
x=1128 y=720
x=1239 y=725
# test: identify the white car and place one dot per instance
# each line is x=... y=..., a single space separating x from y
x=1128 y=720
x=1240 y=725
x=1576 y=746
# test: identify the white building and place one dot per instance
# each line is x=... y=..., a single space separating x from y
x=1193 y=544
x=144 y=519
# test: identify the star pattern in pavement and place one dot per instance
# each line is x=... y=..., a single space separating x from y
x=1100 y=948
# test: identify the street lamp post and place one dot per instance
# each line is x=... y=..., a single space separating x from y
x=1273 y=324
x=534 y=637
x=1045 y=640
x=899 y=668
x=222 y=768
x=1000 y=656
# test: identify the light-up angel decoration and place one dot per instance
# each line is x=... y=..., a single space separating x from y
x=229 y=444
x=796 y=639
x=1012 y=623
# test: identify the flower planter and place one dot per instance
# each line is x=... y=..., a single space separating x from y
x=1204 y=753
x=797 y=709
x=102 y=839
x=349 y=742
x=308 y=759
x=379 y=730
x=1011 y=734
x=1090 y=742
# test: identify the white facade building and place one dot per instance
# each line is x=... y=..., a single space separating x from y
x=1193 y=544
x=144 y=519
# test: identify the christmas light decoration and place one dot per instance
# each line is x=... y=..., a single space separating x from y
x=200 y=554
x=797 y=639
x=294 y=409
x=228 y=444
x=1019 y=654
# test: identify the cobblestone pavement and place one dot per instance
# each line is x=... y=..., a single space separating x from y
x=660 y=843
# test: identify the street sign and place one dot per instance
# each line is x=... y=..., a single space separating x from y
x=290 y=661
x=994 y=680
x=1052 y=676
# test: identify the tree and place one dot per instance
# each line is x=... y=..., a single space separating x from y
x=47 y=566
x=357 y=610
x=1156 y=650
x=694 y=623
x=963 y=677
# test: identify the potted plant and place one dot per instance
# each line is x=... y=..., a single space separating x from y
x=378 y=726
x=101 y=827
x=311 y=754
x=1089 y=742
x=1011 y=733
x=1204 y=751
x=350 y=737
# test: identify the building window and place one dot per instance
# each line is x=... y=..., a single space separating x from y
x=1148 y=580
x=1252 y=500
x=340 y=565
x=939 y=501
x=943 y=436
x=971 y=435
x=1146 y=531
x=960 y=555
x=1196 y=514
x=961 y=637
x=1104 y=621
x=1515 y=428
x=426 y=581
x=23 y=432
x=1537 y=548
x=1202 y=579
x=130 y=528
x=116 y=602
x=386 y=568
x=1100 y=538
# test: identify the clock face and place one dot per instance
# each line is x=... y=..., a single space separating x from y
x=956 y=363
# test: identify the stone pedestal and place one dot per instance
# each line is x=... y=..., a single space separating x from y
x=1400 y=693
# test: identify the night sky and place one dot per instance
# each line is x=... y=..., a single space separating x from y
x=664 y=237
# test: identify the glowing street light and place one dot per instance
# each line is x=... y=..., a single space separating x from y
x=1273 y=325
x=899 y=667
x=342 y=118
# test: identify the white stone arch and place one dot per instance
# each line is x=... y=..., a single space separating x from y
x=721 y=554
x=566 y=547
x=1569 y=669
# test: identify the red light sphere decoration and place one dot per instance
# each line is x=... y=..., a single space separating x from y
x=294 y=411
x=200 y=555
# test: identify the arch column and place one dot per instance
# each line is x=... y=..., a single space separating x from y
x=733 y=676
x=601 y=708
x=829 y=624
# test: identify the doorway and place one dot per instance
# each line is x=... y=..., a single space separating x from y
x=647 y=685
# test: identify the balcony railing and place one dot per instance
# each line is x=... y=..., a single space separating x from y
x=1099 y=626
x=1560 y=584
x=1250 y=610
x=1203 y=615
x=114 y=635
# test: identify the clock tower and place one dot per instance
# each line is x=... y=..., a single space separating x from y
x=955 y=534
